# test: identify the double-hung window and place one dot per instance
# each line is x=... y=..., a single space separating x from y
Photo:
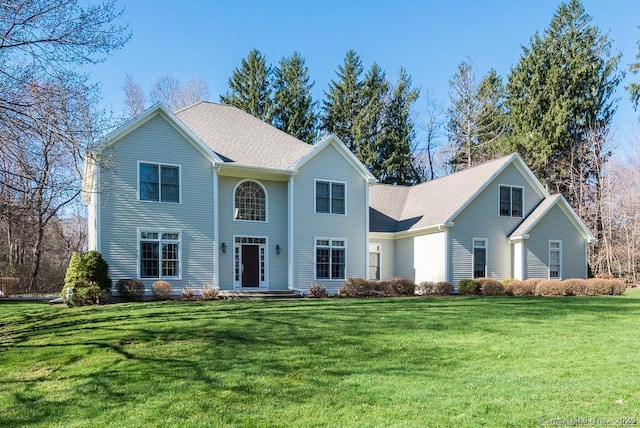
x=330 y=197
x=159 y=254
x=159 y=183
x=330 y=258
x=555 y=259
x=511 y=201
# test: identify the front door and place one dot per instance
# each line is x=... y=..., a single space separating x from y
x=250 y=266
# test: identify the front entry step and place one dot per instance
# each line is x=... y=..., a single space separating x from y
x=259 y=294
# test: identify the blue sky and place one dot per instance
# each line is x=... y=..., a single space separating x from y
x=208 y=39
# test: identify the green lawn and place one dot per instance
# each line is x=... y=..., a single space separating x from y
x=438 y=362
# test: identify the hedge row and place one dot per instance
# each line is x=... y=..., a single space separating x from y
x=567 y=287
x=360 y=287
x=541 y=287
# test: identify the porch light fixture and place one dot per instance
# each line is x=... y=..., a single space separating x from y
x=278 y=249
x=224 y=247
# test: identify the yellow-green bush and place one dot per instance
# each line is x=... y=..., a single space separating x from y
x=162 y=289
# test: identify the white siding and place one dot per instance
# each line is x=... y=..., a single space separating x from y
x=387 y=256
x=481 y=220
x=405 y=250
x=121 y=213
x=329 y=164
x=429 y=257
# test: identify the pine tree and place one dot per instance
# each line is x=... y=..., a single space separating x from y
x=634 y=88
x=250 y=87
x=399 y=135
x=559 y=95
x=293 y=109
x=368 y=132
x=343 y=101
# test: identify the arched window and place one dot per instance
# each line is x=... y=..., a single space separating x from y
x=250 y=202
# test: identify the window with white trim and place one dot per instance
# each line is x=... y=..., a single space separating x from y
x=159 y=183
x=511 y=201
x=479 y=258
x=159 y=254
x=555 y=259
x=330 y=258
x=374 y=261
x=250 y=202
x=330 y=197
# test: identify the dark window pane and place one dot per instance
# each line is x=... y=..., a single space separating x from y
x=337 y=198
x=322 y=197
x=170 y=179
x=149 y=259
x=479 y=262
x=149 y=183
x=516 y=204
x=505 y=200
x=337 y=263
x=322 y=263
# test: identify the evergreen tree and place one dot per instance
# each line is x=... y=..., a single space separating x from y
x=476 y=116
x=634 y=88
x=343 y=101
x=368 y=133
x=293 y=107
x=559 y=95
x=250 y=87
x=397 y=146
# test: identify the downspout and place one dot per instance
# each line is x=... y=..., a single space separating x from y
x=290 y=270
x=216 y=232
x=366 y=233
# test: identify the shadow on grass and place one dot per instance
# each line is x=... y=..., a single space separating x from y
x=237 y=352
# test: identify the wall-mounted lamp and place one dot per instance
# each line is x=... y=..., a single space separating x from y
x=224 y=247
x=278 y=249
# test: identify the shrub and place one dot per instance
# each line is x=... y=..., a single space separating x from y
x=130 y=289
x=600 y=286
x=619 y=287
x=360 y=287
x=88 y=294
x=520 y=288
x=550 y=287
x=441 y=288
x=210 y=292
x=468 y=286
x=574 y=287
x=444 y=288
x=162 y=289
x=403 y=287
x=490 y=287
x=84 y=271
x=317 y=290
x=187 y=293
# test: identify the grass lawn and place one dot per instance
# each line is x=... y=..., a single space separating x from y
x=435 y=362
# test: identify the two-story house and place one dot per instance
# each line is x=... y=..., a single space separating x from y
x=213 y=196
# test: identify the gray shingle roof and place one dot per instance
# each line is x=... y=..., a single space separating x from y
x=240 y=138
x=535 y=216
x=401 y=208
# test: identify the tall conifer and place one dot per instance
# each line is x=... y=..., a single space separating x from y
x=293 y=109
